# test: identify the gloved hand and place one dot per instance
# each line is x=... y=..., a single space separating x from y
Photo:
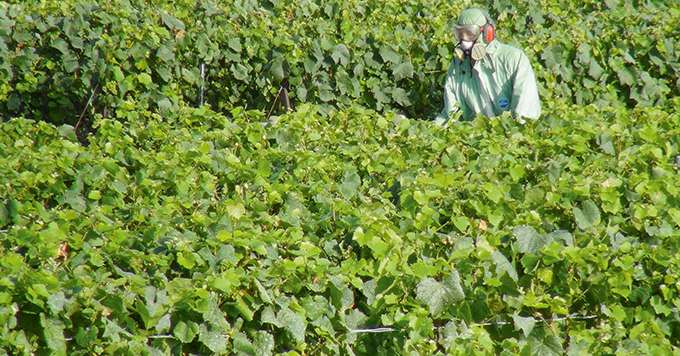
x=441 y=121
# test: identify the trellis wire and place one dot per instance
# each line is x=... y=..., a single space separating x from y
x=202 y=83
x=379 y=330
x=382 y=329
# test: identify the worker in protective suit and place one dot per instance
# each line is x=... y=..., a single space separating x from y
x=486 y=76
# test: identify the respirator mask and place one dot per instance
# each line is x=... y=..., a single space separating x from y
x=473 y=39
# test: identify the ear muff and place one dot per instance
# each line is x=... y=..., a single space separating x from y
x=488 y=31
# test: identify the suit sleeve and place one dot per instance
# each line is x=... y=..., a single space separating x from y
x=525 y=101
x=451 y=102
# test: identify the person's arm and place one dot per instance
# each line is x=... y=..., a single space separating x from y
x=525 y=101
x=451 y=102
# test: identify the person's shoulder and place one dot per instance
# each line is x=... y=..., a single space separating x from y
x=508 y=53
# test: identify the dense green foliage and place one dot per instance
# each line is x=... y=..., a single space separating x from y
x=227 y=234
x=340 y=228
x=380 y=54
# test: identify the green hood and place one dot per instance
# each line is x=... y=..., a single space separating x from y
x=472 y=17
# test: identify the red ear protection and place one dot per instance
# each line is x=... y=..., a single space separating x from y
x=488 y=32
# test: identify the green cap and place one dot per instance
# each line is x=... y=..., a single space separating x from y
x=472 y=16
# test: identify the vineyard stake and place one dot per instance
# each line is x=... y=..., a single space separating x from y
x=202 y=84
x=82 y=114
